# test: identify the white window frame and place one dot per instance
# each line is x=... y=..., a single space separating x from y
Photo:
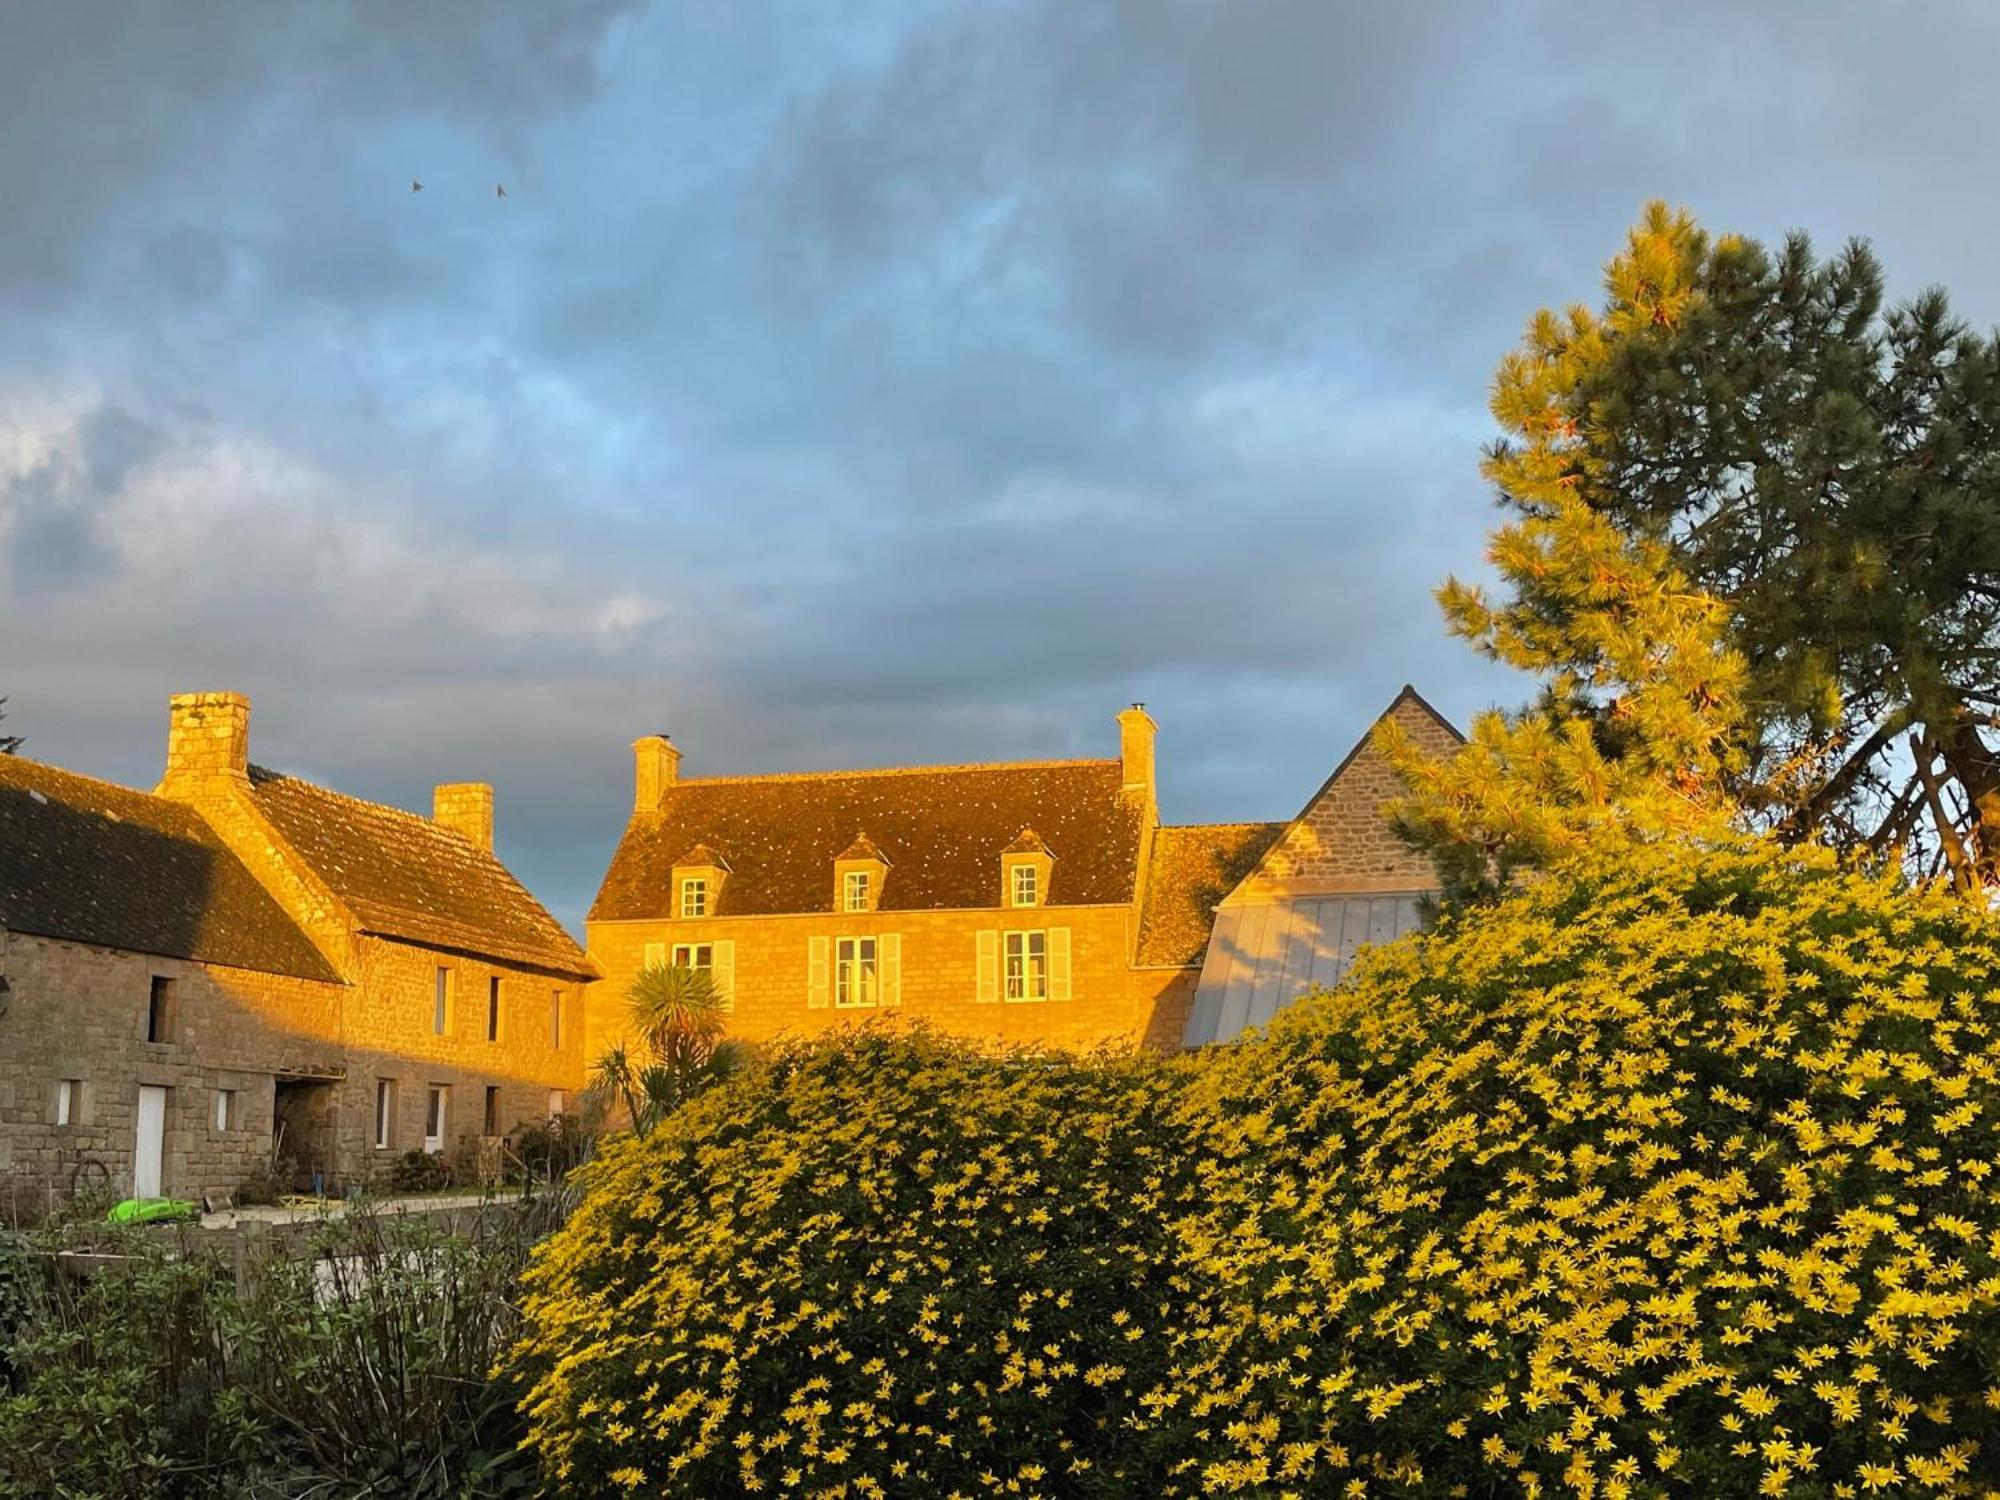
x=694 y=896
x=857 y=972
x=1024 y=972
x=1025 y=874
x=385 y=1113
x=225 y=1109
x=68 y=1092
x=699 y=956
x=854 y=890
x=437 y=1115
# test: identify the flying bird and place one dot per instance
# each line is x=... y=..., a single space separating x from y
x=416 y=186
x=499 y=189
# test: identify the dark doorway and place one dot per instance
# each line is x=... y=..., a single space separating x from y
x=303 y=1133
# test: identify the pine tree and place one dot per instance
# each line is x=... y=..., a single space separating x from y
x=1638 y=728
x=9 y=743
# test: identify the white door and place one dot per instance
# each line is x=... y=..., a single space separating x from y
x=151 y=1145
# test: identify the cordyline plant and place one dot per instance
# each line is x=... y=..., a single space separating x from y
x=677 y=1025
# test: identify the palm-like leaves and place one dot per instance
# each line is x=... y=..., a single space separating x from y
x=677 y=1022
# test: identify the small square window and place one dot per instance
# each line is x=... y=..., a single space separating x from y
x=694 y=897
x=225 y=1109
x=694 y=956
x=1024 y=885
x=854 y=891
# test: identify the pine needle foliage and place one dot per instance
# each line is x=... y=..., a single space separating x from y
x=1638 y=727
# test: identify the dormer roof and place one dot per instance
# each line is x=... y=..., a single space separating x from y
x=701 y=857
x=863 y=847
x=1027 y=841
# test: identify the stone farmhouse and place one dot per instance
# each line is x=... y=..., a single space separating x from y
x=240 y=961
x=1036 y=902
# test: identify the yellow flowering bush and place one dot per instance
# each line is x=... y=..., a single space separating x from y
x=886 y=1264
x=1672 y=1174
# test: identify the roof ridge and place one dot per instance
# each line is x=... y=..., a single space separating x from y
x=368 y=802
x=103 y=781
x=1232 y=823
x=978 y=765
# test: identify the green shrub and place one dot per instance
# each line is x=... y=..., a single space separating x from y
x=876 y=1265
x=1674 y=1175
x=420 y=1172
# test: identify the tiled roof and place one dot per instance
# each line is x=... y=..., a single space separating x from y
x=91 y=862
x=941 y=829
x=1192 y=868
x=403 y=876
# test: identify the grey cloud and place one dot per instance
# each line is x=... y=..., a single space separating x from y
x=840 y=385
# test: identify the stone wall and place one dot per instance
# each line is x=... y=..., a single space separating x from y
x=390 y=1036
x=1343 y=839
x=78 y=1012
x=1111 y=1001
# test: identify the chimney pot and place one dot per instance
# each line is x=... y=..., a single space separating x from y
x=208 y=737
x=656 y=767
x=466 y=808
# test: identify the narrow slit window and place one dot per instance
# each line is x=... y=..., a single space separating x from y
x=160 y=1010
x=69 y=1094
x=437 y=1106
x=385 y=1113
x=441 y=1002
x=225 y=1109
x=492 y=1120
x=493 y=1008
x=555 y=1020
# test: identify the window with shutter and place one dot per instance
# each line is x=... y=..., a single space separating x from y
x=819 y=977
x=988 y=967
x=723 y=971
x=892 y=968
x=656 y=955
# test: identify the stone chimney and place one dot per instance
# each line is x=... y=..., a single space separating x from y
x=466 y=808
x=1136 y=731
x=657 y=766
x=208 y=738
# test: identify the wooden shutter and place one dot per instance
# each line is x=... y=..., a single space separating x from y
x=722 y=969
x=1059 y=963
x=890 y=964
x=656 y=955
x=988 y=966
x=819 y=976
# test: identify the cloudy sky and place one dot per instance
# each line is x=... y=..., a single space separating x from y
x=842 y=384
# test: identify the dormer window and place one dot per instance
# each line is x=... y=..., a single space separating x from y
x=698 y=878
x=1025 y=884
x=1025 y=866
x=858 y=873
